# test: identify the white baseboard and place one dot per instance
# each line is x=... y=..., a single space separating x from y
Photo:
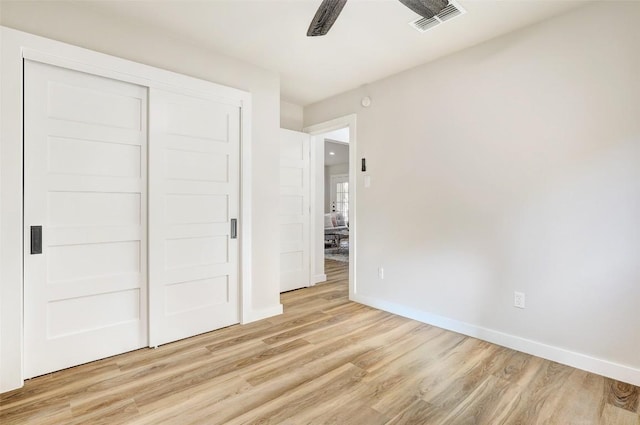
x=318 y=278
x=570 y=358
x=264 y=313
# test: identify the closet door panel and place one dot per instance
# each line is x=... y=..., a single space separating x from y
x=194 y=195
x=85 y=292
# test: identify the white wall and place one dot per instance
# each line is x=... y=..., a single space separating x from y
x=77 y=24
x=291 y=116
x=513 y=165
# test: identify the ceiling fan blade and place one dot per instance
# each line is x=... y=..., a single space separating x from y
x=426 y=8
x=325 y=17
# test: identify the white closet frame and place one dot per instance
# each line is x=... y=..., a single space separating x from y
x=15 y=46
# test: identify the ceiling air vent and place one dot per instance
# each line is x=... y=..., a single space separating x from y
x=449 y=12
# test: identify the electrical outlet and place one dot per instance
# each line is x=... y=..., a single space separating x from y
x=518 y=299
x=380 y=272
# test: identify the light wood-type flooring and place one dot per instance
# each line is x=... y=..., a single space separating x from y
x=325 y=361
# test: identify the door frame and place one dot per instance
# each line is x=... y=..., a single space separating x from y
x=15 y=47
x=317 y=181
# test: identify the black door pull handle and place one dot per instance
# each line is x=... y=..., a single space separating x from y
x=36 y=240
x=234 y=228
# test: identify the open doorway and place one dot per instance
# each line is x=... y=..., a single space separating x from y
x=342 y=131
x=336 y=197
x=320 y=132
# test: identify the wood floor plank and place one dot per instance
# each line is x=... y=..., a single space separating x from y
x=344 y=349
x=623 y=395
x=58 y=384
x=45 y=412
x=517 y=368
x=272 y=330
x=581 y=398
x=287 y=381
x=303 y=331
x=141 y=358
x=202 y=396
x=537 y=400
x=617 y=416
x=463 y=382
x=359 y=321
x=385 y=354
x=326 y=360
x=203 y=373
x=382 y=387
x=343 y=413
x=485 y=403
x=105 y=411
x=168 y=375
x=418 y=413
x=303 y=397
x=394 y=387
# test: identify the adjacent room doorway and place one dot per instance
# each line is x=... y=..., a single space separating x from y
x=336 y=205
x=333 y=222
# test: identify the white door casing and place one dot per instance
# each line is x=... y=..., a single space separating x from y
x=194 y=195
x=294 y=210
x=85 y=140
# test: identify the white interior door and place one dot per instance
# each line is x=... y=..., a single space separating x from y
x=194 y=196
x=294 y=210
x=85 y=185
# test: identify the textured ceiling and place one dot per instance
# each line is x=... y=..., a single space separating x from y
x=370 y=40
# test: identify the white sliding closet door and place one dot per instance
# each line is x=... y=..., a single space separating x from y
x=194 y=196
x=85 y=188
x=294 y=210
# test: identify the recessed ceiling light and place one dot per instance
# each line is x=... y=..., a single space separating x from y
x=332 y=153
